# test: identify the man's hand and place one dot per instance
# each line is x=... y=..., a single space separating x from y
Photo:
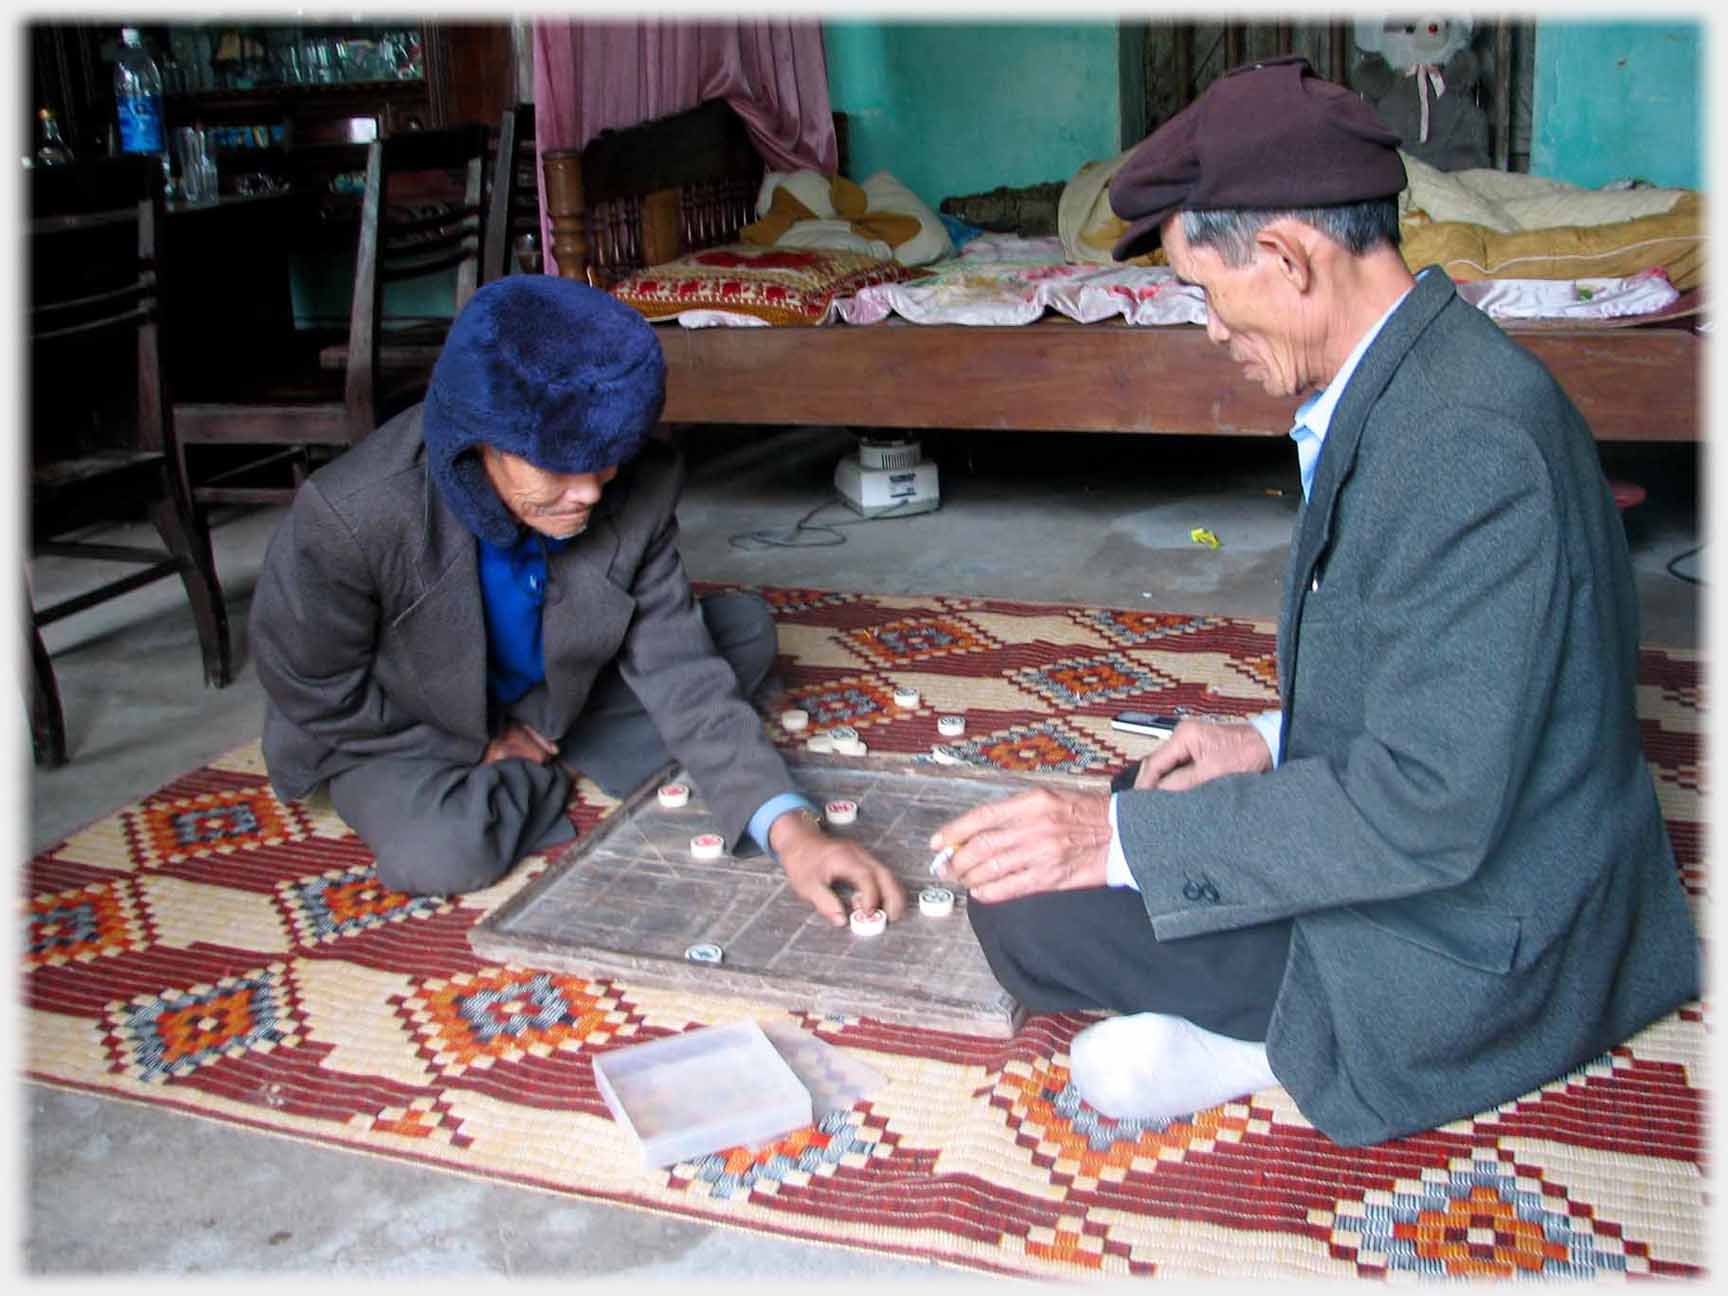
x=1200 y=750
x=1037 y=841
x=814 y=862
x=521 y=742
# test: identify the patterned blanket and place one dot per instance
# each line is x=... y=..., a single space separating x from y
x=216 y=951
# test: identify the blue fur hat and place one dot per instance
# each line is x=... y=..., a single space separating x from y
x=561 y=374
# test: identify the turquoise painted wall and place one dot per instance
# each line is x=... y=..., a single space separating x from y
x=955 y=108
x=1616 y=100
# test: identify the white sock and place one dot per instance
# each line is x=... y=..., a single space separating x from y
x=1152 y=1066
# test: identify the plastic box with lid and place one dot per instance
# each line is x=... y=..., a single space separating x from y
x=706 y=1089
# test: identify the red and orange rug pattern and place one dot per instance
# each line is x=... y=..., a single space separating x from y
x=215 y=951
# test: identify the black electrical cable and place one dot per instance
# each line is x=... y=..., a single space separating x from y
x=793 y=537
x=1677 y=559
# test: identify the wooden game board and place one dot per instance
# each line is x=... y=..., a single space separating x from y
x=629 y=900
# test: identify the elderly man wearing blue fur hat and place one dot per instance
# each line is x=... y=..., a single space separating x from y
x=486 y=593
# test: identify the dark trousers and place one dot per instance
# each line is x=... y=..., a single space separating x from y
x=1062 y=951
x=442 y=829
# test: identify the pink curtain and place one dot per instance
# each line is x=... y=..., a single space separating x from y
x=594 y=76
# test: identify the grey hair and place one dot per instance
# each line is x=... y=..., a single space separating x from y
x=1358 y=227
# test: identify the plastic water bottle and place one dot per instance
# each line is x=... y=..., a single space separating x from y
x=138 y=100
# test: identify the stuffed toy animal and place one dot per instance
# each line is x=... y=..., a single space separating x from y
x=1420 y=75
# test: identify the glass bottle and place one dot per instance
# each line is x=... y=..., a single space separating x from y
x=138 y=100
x=51 y=147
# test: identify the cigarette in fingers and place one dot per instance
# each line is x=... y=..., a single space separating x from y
x=939 y=861
x=545 y=743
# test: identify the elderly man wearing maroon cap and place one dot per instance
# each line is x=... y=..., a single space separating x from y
x=1438 y=877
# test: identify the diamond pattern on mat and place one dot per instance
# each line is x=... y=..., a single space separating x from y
x=1263 y=670
x=1091 y=678
x=917 y=639
x=1134 y=628
x=503 y=1014
x=174 y=1032
x=857 y=701
x=848 y=1138
x=346 y=902
x=1081 y=1146
x=1029 y=748
x=1479 y=1218
x=212 y=823
x=786 y=600
x=82 y=924
x=423 y=1118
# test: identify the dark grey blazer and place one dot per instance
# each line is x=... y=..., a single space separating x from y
x=370 y=637
x=1462 y=827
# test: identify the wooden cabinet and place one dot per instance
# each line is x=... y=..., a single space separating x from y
x=284 y=86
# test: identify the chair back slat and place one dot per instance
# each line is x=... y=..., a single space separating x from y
x=513 y=198
x=92 y=270
x=102 y=447
x=421 y=214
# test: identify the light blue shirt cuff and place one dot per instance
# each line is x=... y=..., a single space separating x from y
x=1116 y=871
x=1270 y=726
x=772 y=809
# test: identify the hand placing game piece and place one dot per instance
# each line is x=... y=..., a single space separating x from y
x=816 y=862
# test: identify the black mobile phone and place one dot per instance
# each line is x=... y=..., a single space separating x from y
x=1145 y=722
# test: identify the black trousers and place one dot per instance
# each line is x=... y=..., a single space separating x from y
x=442 y=829
x=1062 y=951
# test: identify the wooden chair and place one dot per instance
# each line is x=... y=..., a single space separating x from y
x=513 y=200
x=103 y=446
x=420 y=217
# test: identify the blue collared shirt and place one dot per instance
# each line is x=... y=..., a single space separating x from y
x=513 y=595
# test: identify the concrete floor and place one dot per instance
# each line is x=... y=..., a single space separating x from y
x=1085 y=519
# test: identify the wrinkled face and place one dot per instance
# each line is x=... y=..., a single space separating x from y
x=554 y=504
x=1250 y=308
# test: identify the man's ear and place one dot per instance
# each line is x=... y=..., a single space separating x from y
x=1282 y=241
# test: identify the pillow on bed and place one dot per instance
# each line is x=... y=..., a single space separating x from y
x=1089 y=228
x=811 y=189
x=931 y=243
x=776 y=285
x=1674 y=241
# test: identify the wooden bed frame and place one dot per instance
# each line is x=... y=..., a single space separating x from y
x=646 y=194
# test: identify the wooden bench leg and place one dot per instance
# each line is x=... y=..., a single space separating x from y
x=47 y=722
x=191 y=544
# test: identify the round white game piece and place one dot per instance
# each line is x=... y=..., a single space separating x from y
x=674 y=796
x=944 y=755
x=841 y=812
x=906 y=697
x=950 y=726
x=935 y=902
x=704 y=954
x=707 y=846
x=819 y=743
x=851 y=747
x=843 y=733
x=868 y=922
x=794 y=720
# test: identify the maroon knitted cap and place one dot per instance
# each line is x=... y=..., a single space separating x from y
x=1264 y=136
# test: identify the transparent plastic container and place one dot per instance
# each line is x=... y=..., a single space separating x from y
x=691 y=1094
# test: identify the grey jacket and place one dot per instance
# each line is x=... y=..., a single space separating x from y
x=1462 y=826
x=370 y=636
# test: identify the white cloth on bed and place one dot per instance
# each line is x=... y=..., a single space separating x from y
x=1003 y=279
